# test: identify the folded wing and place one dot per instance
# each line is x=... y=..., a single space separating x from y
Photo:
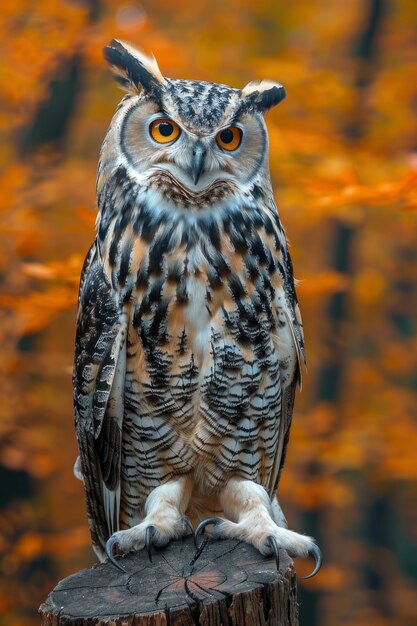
x=99 y=375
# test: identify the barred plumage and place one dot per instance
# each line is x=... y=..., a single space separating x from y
x=189 y=339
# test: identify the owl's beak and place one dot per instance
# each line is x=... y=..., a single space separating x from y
x=197 y=162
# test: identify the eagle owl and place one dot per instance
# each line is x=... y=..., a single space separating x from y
x=189 y=339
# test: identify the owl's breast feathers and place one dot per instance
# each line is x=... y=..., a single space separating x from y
x=214 y=334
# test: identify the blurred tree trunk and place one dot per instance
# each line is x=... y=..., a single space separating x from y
x=384 y=525
x=330 y=376
x=52 y=118
x=48 y=128
x=49 y=125
x=54 y=114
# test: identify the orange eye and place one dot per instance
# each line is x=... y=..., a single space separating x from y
x=164 y=131
x=229 y=138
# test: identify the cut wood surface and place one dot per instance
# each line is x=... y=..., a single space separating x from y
x=224 y=583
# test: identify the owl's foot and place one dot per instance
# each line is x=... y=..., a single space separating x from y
x=187 y=524
x=249 y=504
x=149 y=533
x=206 y=522
x=111 y=542
x=164 y=521
x=314 y=552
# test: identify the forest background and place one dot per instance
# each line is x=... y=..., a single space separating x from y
x=344 y=167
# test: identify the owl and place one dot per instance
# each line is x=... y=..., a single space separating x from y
x=189 y=341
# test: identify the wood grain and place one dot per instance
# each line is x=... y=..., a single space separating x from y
x=226 y=583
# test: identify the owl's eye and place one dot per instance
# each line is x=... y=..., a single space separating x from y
x=164 y=131
x=229 y=138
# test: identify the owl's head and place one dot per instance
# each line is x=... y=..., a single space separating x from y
x=190 y=134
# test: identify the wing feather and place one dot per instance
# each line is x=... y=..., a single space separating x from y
x=99 y=373
x=294 y=323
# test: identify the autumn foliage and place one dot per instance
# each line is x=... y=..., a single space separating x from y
x=344 y=165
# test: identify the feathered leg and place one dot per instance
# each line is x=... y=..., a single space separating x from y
x=164 y=519
x=252 y=512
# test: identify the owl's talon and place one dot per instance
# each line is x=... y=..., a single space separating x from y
x=205 y=522
x=113 y=541
x=274 y=547
x=149 y=534
x=315 y=552
x=187 y=524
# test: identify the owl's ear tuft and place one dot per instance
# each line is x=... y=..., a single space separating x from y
x=262 y=95
x=133 y=70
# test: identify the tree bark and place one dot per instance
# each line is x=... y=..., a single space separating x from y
x=223 y=583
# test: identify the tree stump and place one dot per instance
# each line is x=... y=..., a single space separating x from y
x=223 y=583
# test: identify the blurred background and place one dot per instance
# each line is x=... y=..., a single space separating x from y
x=344 y=166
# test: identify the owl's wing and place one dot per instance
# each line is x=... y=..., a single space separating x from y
x=288 y=393
x=98 y=380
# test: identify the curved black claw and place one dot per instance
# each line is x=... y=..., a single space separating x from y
x=315 y=552
x=109 y=551
x=149 y=534
x=187 y=524
x=204 y=523
x=274 y=547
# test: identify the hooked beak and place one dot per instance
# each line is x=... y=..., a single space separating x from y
x=197 y=162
